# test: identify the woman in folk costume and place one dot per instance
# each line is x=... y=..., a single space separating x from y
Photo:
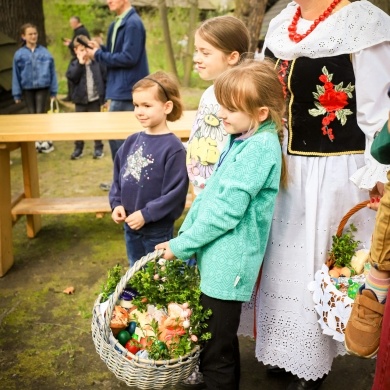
x=333 y=62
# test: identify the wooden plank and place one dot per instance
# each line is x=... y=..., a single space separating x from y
x=33 y=206
x=84 y=204
x=31 y=184
x=81 y=125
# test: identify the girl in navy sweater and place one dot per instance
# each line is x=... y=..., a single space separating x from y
x=150 y=183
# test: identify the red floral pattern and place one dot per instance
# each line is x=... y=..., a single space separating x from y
x=330 y=102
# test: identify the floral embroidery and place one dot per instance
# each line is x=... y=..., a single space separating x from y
x=331 y=102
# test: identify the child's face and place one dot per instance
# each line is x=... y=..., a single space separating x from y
x=30 y=36
x=149 y=111
x=210 y=62
x=235 y=122
x=80 y=51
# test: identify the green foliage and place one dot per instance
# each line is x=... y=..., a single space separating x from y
x=344 y=247
x=96 y=17
x=114 y=275
x=163 y=282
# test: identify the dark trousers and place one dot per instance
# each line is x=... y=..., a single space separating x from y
x=89 y=107
x=220 y=358
x=36 y=100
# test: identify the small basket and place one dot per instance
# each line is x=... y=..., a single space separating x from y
x=333 y=306
x=142 y=373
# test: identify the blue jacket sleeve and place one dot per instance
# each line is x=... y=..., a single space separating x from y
x=174 y=190
x=16 y=86
x=247 y=176
x=133 y=46
x=114 y=195
x=53 y=84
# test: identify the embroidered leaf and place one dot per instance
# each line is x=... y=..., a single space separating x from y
x=320 y=89
x=320 y=107
x=326 y=73
x=339 y=87
x=316 y=95
x=314 y=112
x=341 y=116
x=349 y=89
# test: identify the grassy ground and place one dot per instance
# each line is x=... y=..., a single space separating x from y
x=45 y=340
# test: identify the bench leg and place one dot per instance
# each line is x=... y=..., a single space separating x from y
x=31 y=184
x=6 y=250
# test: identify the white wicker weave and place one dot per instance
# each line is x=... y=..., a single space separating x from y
x=142 y=373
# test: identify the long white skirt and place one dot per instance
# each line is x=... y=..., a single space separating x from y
x=306 y=216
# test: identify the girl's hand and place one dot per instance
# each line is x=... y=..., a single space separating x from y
x=118 y=214
x=135 y=220
x=168 y=254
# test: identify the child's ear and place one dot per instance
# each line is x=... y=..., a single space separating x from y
x=233 y=58
x=263 y=113
x=168 y=107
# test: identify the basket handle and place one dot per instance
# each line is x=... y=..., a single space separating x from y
x=152 y=256
x=353 y=210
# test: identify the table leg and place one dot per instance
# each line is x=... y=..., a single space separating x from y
x=31 y=184
x=6 y=250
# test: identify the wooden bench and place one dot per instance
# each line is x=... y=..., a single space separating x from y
x=21 y=131
x=85 y=204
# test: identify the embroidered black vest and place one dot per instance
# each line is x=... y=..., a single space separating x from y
x=321 y=106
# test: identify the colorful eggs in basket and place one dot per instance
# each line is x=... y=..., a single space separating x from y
x=132 y=326
x=123 y=337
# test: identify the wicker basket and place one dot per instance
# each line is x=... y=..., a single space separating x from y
x=142 y=373
x=333 y=306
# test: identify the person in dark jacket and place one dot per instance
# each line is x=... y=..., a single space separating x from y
x=125 y=58
x=78 y=29
x=88 y=78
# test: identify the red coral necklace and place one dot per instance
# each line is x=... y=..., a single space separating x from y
x=292 y=28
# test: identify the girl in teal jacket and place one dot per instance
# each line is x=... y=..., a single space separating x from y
x=228 y=224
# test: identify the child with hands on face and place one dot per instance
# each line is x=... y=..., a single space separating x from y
x=150 y=182
x=88 y=95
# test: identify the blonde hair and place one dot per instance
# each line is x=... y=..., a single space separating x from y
x=167 y=90
x=249 y=86
x=76 y=43
x=225 y=33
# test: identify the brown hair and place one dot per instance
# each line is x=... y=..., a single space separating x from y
x=23 y=29
x=249 y=86
x=167 y=90
x=225 y=33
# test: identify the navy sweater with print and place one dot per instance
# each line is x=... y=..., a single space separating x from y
x=150 y=175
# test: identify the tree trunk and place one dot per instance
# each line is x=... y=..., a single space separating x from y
x=162 y=7
x=251 y=12
x=188 y=61
x=17 y=12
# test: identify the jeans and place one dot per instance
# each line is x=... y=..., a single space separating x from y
x=36 y=100
x=119 y=105
x=89 y=107
x=140 y=242
x=220 y=358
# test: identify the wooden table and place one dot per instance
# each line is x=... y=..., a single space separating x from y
x=21 y=131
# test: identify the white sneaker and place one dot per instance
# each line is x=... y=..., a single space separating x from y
x=45 y=147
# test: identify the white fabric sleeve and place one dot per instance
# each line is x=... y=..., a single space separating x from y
x=372 y=73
